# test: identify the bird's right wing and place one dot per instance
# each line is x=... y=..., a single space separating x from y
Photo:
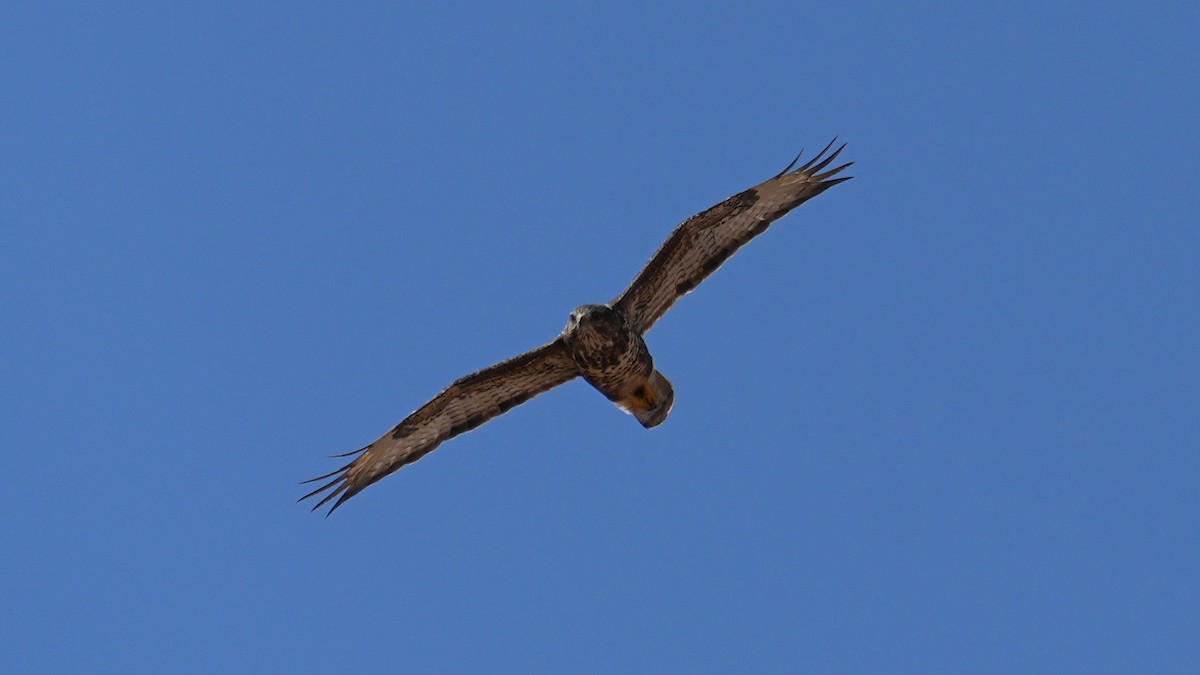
x=706 y=240
x=464 y=405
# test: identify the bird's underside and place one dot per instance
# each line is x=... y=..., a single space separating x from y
x=603 y=344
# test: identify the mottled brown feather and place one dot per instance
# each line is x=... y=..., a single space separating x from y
x=702 y=243
x=467 y=403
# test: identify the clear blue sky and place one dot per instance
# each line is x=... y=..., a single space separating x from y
x=943 y=418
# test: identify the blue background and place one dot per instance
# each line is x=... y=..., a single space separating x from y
x=942 y=418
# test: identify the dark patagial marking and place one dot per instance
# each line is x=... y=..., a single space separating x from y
x=684 y=286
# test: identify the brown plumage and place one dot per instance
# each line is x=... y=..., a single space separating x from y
x=602 y=343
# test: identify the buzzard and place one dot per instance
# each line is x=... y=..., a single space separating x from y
x=603 y=344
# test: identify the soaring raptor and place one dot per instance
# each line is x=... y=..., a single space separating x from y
x=601 y=343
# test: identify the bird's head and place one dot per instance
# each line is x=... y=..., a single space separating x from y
x=585 y=315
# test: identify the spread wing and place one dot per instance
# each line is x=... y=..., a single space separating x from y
x=706 y=240
x=464 y=405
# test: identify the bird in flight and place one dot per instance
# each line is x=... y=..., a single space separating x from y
x=603 y=344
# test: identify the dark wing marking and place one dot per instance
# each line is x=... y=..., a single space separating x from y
x=706 y=240
x=464 y=405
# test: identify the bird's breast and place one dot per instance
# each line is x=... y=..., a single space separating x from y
x=608 y=352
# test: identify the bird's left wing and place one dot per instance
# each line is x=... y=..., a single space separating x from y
x=706 y=240
x=464 y=405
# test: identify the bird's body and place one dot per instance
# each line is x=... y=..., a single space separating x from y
x=612 y=356
x=602 y=343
